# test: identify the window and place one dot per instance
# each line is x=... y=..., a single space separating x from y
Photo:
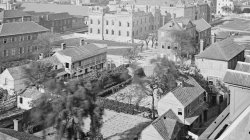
x=20 y=100
x=29 y=49
x=55 y=67
x=5 y=40
x=5 y=81
x=179 y=111
x=13 y=51
x=5 y=53
x=141 y=21
x=13 y=39
x=34 y=48
x=128 y=24
x=113 y=32
x=91 y=21
x=90 y=30
x=107 y=31
x=133 y=33
x=80 y=63
x=120 y=24
x=119 y=33
x=67 y=65
x=205 y=96
x=107 y=22
x=162 y=46
x=29 y=37
x=20 y=38
x=113 y=23
x=99 y=21
x=20 y=50
x=98 y=31
x=127 y=33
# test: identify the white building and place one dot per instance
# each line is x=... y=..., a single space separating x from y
x=224 y=3
x=120 y=24
x=26 y=98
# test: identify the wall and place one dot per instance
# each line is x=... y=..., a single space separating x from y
x=10 y=81
x=239 y=100
x=169 y=101
x=6 y=137
x=26 y=103
x=64 y=59
x=150 y=133
x=213 y=68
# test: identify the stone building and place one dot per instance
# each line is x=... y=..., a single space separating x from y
x=122 y=24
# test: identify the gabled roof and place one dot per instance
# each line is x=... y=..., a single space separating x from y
x=18 y=135
x=13 y=13
x=243 y=66
x=188 y=92
x=56 y=8
x=170 y=26
x=32 y=93
x=201 y=25
x=167 y=125
x=18 y=72
x=78 y=53
x=59 y=16
x=15 y=28
x=223 y=50
x=237 y=78
x=247 y=58
x=183 y=20
x=51 y=60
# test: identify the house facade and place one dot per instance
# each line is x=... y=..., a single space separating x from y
x=122 y=24
x=82 y=59
x=222 y=5
x=16 y=40
x=214 y=61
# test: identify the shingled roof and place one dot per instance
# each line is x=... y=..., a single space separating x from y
x=247 y=58
x=171 y=25
x=59 y=16
x=78 y=53
x=243 y=66
x=167 y=125
x=18 y=72
x=17 y=135
x=223 y=50
x=188 y=92
x=15 y=28
x=13 y=14
x=201 y=25
x=237 y=78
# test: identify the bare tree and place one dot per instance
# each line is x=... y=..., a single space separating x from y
x=132 y=54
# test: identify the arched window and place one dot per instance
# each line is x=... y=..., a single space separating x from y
x=113 y=32
x=127 y=33
x=120 y=24
x=128 y=24
x=119 y=33
x=98 y=31
x=107 y=31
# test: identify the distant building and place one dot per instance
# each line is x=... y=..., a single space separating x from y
x=165 y=38
x=7 y=16
x=17 y=40
x=82 y=59
x=214 y=61
x=203 y=33
x=122 y=24
x=187 y=101
x=224 y=7
x=26 y=97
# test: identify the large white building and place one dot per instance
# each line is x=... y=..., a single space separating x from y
x=120 y=24
x=224 y=6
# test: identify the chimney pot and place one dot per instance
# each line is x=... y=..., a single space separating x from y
x=63 y=46
x=201 y=45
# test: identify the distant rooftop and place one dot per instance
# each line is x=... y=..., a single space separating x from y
x=243 y=66
x=56 y=8
x=247 y=58
x=201 y=25
x=13 y=14
x=16 y=28
x=237 y=78
x=171 y=25
x=59 y=16
x=223 y=50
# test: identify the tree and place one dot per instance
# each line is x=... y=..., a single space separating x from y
x=226 y=9
x=146 y=39
x=65 y=104
x=132 y=54
x=185 y=44
x=162 y=80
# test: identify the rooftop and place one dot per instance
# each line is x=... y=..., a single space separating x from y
x=15 y=28
x=156 y=2
x=223 y=50
x=238 y=78
x=167 y=125
x=188 y=92
x=51 y=60
x=59 y=16
x=243 y=66
x=18 y=72
x=201 y=25
x=183 y=20
x=13 y=14
x=78 y=53
x=247 y=58
x=32 y=93
x=56 y=8
x=171 y=25
x=17 y=135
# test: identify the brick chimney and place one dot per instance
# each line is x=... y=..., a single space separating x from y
x=63 y=46
x=82 y=42
x=201 y=45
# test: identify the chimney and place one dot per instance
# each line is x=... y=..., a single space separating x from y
x=63 y=46
x=41 y=56
x=17 y=125
x=213 y=40
x=179 y=83
x=82 y=42
x=201 y=45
